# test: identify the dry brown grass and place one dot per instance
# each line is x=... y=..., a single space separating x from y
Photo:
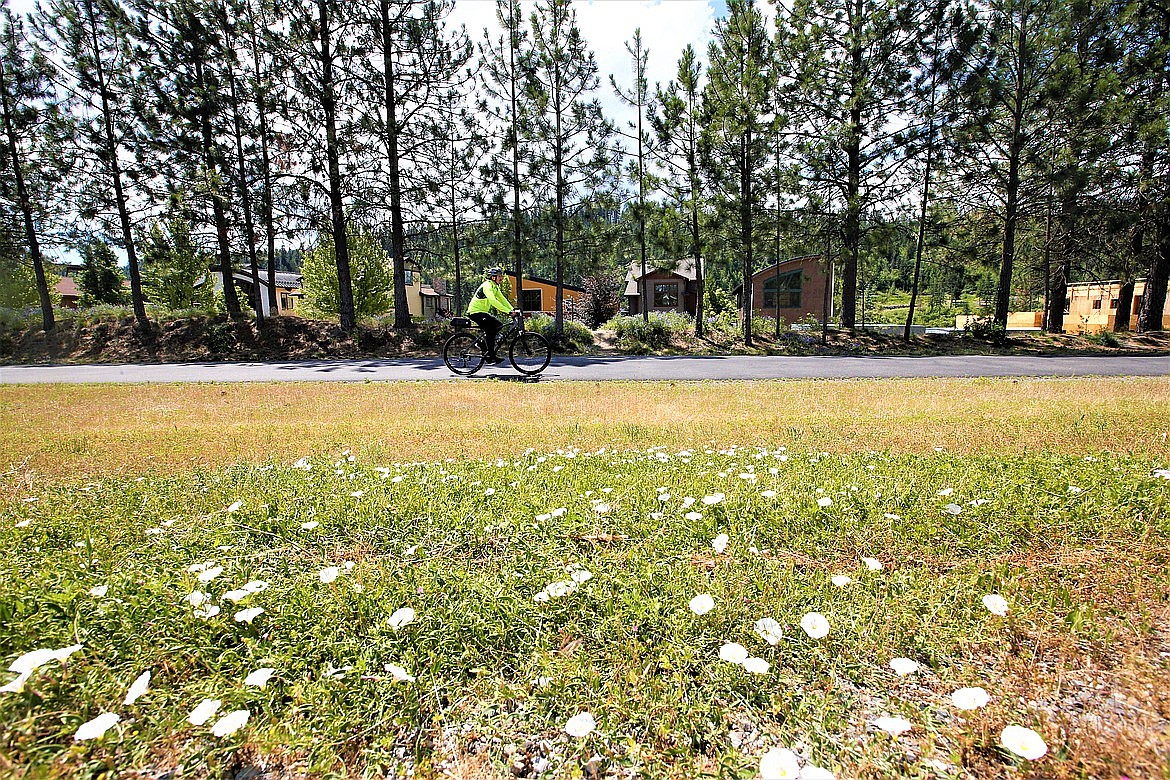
x=72 y=431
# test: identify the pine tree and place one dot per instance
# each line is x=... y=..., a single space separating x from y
x=28 y=112
x=188 y=114
x=100 y=280
x=454 y=160
x=736 y=105
x=1144 y=106
x=1003 y=131
x=418 y=64
x=677 y=125
x=504 y=64
x=94 y=40
x=1083 y=86
x=318 y=114
x=638 y=97
x=946 y=34
x=573 y=132
x=851 y=63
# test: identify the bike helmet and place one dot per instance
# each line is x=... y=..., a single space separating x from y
x=494 y=271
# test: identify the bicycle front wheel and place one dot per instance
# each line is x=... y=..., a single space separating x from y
x=463 y=354
x=530 y=353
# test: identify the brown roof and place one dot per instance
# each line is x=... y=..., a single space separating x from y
x=67 y=288
x=683 y=266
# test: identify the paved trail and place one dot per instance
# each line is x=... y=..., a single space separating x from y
x=601 y=368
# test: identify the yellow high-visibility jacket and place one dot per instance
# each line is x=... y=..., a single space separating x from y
x=489 y=296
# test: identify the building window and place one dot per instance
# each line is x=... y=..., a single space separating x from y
x=786 y=287
x=1113 y=304
x=666 y=296
x=1137 y=303
x=1097 y=303
x=409 y=277
x=1067 y=305
x=531 y=300
x=287 y=302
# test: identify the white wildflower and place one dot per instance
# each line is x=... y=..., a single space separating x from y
x=259 y=678
x=815 y=625
x=970 y=698
x=96 y=727
x=903 y=666
x=231 y=723
x=248 y=615
x=701 y=604
x=996 y=604
x=769 y=630
x=202 y=713
x=580 y=725
x=402 y=617
x=893 y=726
x=137 y=688
x=733 y=653
x=779 y=764
x=1024 y=742
x=756 y=665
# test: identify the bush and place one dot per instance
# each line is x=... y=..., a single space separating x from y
x=431 y=333
x=575 y=338
x=987 y=330
x=638 y=335
x=1105 y=338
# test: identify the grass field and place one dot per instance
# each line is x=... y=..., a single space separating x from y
x=443 y=580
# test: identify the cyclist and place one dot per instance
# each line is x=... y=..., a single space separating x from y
x=490 y=297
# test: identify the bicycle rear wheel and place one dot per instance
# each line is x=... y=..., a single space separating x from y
x=463 y=354
x=530 y=353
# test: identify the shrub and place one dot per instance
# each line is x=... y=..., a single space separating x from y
x=987 y=330
x=575 y=337
x=638 y=335
x=431 y=333
x=1105 y=338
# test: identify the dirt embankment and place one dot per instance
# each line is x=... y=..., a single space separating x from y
x=219 y=338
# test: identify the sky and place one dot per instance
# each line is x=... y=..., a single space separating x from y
x=667 y=26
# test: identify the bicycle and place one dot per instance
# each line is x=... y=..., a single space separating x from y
x=528 y=351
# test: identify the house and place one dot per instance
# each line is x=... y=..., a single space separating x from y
x=423 y=300
x=1090 y=307
x=67 y=284
x=541 y=294
x=671 y=284
x=288 y=288
x=791 y=289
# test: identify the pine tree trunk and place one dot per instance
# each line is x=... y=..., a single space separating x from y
x=1124 y=307
x=517 y=254
x=397 y=231
x=218 y=210
x=348 y=317
x=48 y=320
x=116 y=173
x=745 y=232
x=265 y=163
x=245 y=200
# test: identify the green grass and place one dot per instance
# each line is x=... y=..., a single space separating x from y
x=1075 y=543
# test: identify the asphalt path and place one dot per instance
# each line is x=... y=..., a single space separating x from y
x=602 y=368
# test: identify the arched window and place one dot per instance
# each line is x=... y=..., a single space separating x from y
x=787 y=286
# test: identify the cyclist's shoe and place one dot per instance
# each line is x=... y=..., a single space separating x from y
x=494 y=360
